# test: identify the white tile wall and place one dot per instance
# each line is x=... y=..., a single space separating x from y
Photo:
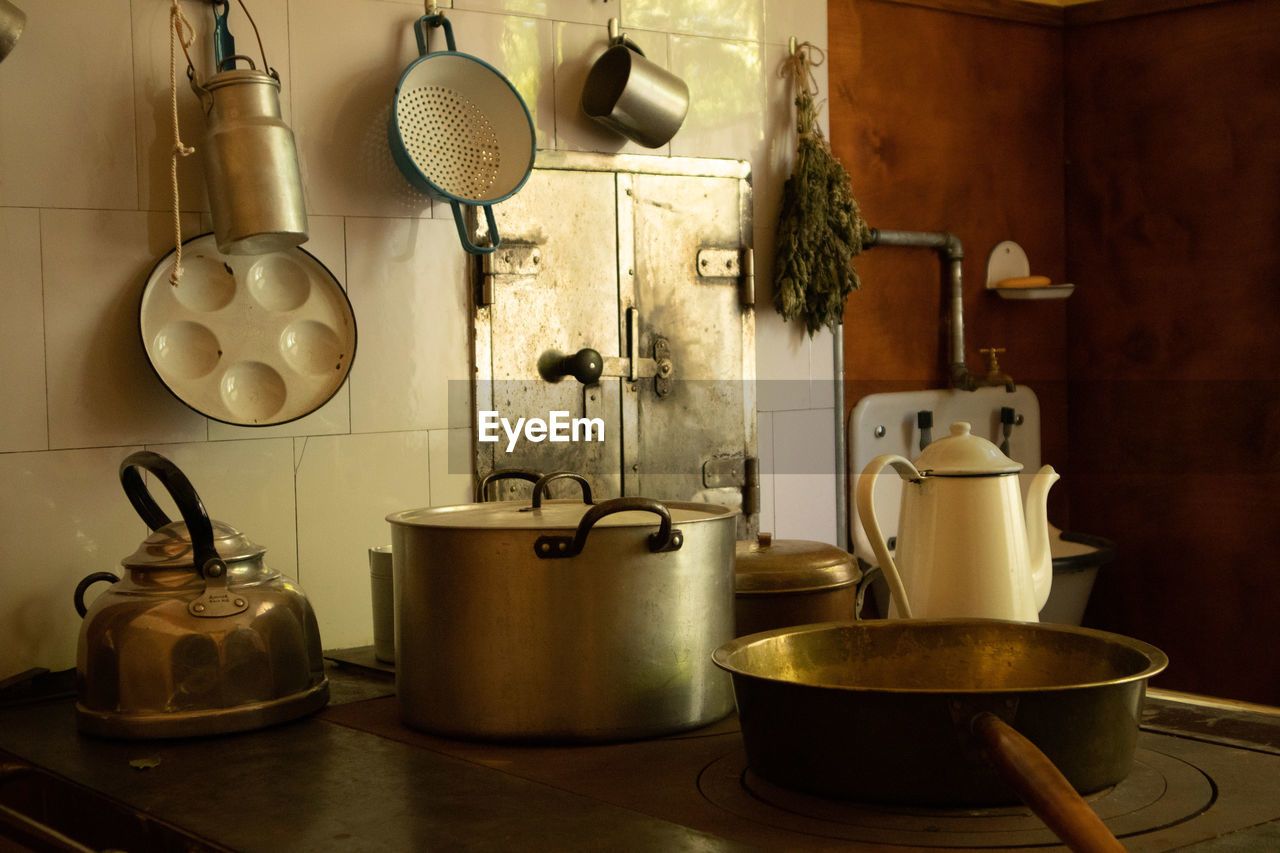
x=405 y=360
x=67 y=135
x=577 y=47
x=23 y=418
x=803 y=474
x=101 y=389
x=345 y=60
x=85 y=213
x=728 y=19
x=347 y=484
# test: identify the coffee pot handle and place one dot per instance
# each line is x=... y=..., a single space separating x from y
x=184 y=495
x=867 y=513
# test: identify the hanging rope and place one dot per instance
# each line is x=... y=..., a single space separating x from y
x=180 y=33
x=820 y=228
x=799 y=67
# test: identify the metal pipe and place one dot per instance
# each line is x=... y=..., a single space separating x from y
x=842 y=496
x=948 y=247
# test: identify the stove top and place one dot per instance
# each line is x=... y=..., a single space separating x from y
x=1164 y=791
x=1206 y=777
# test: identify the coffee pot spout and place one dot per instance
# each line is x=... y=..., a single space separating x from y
x=1038 y=545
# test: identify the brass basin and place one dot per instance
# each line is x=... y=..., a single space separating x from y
x=878 y=711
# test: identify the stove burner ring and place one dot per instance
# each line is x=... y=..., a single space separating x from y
x=1161 y=791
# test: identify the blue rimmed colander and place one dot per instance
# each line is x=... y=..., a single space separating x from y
x=460 y=132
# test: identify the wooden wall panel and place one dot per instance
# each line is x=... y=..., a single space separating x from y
x=1137 y=155
x=951 y=122
x=1173 y=217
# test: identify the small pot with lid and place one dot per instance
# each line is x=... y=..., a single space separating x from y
x=785 y=582
x=199 y=637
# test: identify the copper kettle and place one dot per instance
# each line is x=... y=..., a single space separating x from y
x=199 y=637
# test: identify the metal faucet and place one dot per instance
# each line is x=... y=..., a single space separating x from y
x=994 y=376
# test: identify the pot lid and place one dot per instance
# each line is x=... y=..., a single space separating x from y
x=963 y=454
x=552 y=515
x=770 y=565
x=169 y=547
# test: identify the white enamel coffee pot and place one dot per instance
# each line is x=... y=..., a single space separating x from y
x=965 y=548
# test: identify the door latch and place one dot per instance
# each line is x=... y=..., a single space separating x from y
x=589 y=367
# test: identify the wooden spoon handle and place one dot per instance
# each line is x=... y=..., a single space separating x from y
x=1043 y=787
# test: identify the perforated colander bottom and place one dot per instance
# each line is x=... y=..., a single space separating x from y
x=450 y=140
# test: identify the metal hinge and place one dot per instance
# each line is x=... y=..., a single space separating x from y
x=729 y=471
x=731 y=263
x=511 y=261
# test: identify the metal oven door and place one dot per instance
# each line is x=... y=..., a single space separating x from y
x=619 y=311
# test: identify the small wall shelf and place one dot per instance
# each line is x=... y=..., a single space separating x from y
x=1009 y=274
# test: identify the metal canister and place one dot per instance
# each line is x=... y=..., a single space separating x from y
x=251 y=164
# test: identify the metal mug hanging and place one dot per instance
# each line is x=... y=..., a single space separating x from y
x=631 y=95
x=250 y=158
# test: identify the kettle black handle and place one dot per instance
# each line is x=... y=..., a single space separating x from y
x=207 y=561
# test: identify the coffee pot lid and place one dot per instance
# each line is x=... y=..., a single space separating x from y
x=169 y=547
x=962 y=454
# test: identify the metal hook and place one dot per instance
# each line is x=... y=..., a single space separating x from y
x=791 y=46
x=615 y=31
x=430 y=7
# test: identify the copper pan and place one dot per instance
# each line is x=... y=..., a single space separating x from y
x=957 y=713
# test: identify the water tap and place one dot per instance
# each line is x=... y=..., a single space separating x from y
x=994 y=376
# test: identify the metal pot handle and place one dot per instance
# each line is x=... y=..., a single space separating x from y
x=666 y=539
x=540 y=487
x=207 y=561
x=505 y=474
x=88 y=581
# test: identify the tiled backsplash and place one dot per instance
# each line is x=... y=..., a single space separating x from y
x=85 y=214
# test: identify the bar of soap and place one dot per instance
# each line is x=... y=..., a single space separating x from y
x=1026 y=281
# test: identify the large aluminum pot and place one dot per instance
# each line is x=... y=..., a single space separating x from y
x=562 y=620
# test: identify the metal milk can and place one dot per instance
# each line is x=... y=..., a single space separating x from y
x=250 y=163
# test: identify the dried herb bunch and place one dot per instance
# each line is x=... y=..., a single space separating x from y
x=820 y=228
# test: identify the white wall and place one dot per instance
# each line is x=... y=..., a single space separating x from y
x=85 y=213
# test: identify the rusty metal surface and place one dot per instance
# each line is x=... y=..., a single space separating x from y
x=355 y=778
x=315 y=786
x=624 y=249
